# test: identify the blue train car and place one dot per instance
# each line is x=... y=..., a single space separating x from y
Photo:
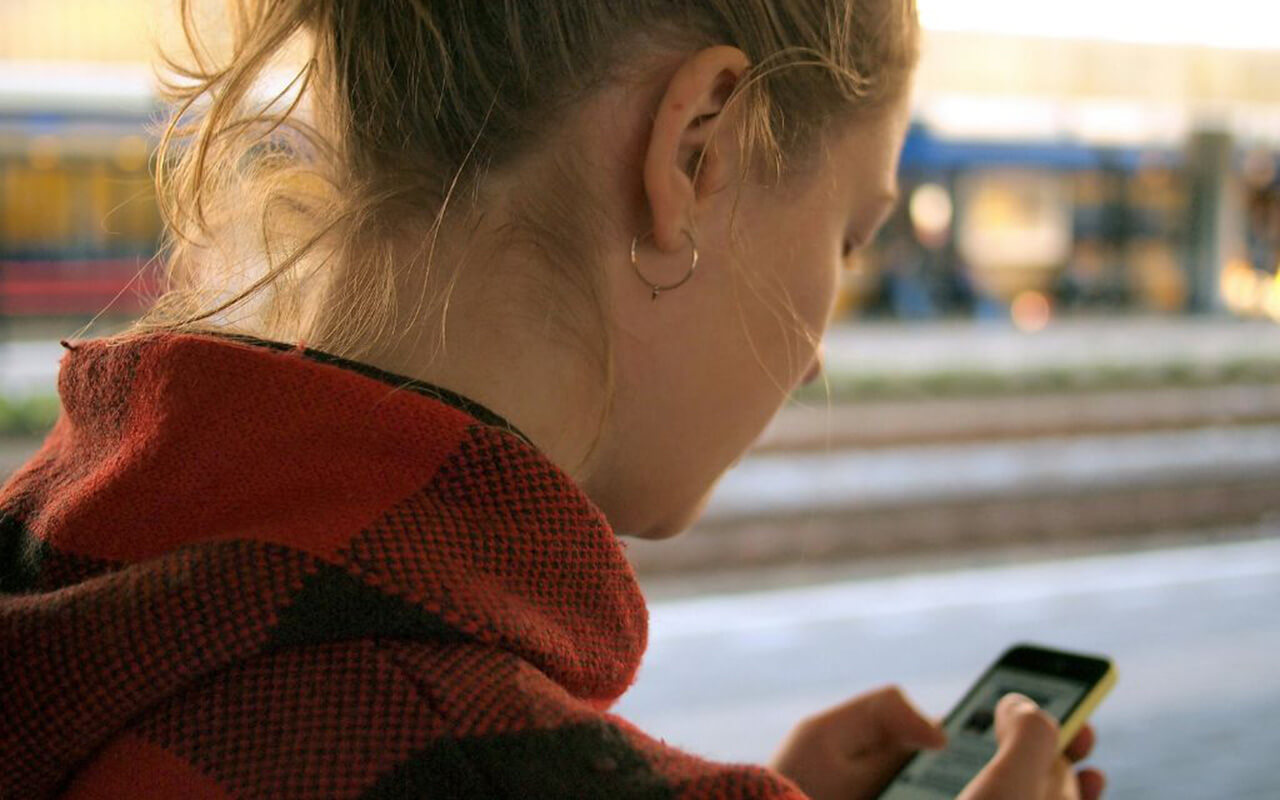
x=1084 y=226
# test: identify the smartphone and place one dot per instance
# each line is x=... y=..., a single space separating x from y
x=1067 y=685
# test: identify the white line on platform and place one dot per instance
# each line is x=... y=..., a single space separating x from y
x=1006 y=585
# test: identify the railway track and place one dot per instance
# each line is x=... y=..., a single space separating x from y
x=933 y=477
x=994 y=521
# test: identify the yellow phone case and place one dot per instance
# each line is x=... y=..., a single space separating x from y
x=1076 y=720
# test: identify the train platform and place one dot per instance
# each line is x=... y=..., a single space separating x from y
x=1191 y=627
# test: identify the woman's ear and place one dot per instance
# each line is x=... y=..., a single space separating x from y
x=685 y=132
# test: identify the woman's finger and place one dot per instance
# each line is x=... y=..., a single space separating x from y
x=883 y=719
x=901 y=724
x=1091 y=782
x=1028 y=750
x=1082 y=745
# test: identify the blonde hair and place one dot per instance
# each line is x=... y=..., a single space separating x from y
x=283 y=212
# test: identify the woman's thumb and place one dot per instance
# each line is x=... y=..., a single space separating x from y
x=1028 y=739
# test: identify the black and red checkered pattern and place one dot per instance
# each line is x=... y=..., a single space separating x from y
x=242 y=569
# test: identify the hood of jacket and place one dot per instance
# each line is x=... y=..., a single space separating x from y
x=204 y=499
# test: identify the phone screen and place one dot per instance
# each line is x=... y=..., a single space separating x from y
x=971 y=731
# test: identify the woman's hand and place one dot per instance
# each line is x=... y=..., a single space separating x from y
x=851 y=751
x=1027 y=765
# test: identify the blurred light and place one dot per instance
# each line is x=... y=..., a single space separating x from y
x=1031 y=312
x=1233 y=24
x=1014 y=221
x=931 y=213
x=132 y=153
x=1241 y=287
x=1271 y=303
x=44 y=151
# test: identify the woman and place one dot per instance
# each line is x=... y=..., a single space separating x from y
x=486 y=286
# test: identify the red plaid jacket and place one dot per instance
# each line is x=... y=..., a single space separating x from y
x=239 y=569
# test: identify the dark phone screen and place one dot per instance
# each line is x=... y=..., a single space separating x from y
x=1057 y=681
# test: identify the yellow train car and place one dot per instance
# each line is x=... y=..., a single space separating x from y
x=78 y=215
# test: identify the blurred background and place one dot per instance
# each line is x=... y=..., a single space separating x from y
x=1052 y=402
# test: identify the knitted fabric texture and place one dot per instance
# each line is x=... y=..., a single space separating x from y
x=240 y=569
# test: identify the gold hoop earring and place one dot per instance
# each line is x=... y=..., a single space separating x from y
x=693 y=264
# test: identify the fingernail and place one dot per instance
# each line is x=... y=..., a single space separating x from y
x=1017 y=700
